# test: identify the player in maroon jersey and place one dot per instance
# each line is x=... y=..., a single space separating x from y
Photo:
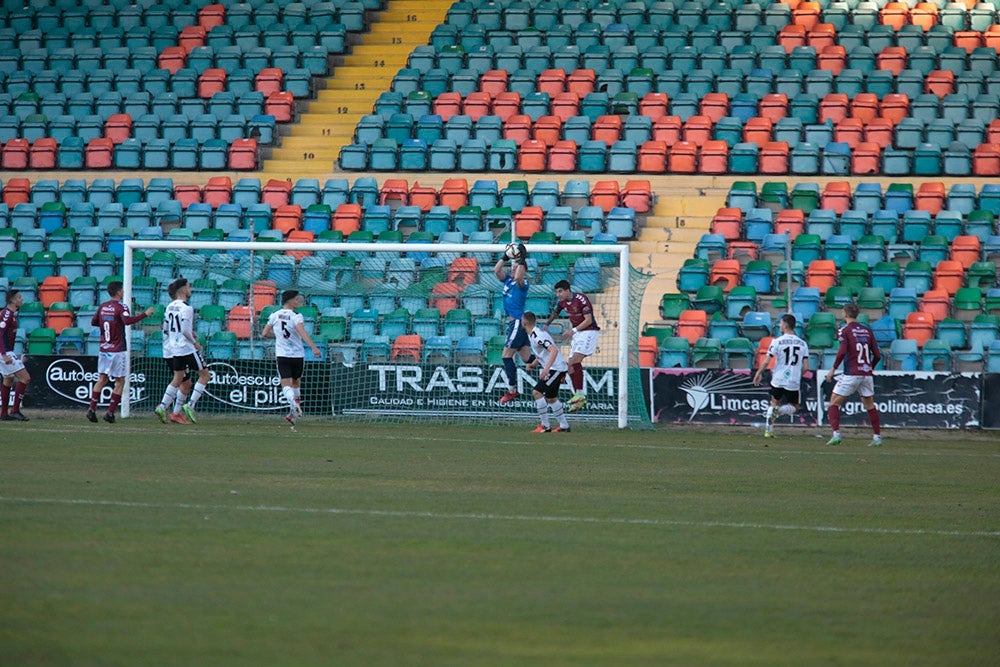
x=584 y=333
x=112 y=317
x=11 y=366
x=860 y=354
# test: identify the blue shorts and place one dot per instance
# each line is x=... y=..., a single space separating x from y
x=517 y=337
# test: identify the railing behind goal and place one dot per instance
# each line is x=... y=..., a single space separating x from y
x=406 y=331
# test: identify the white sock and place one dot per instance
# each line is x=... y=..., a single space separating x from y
x=877 y=438
x=543 y=411
x=181 y=397
x=298 y=393
x=836 y=434
x=289 y=395
x=559 y=414
x=786 y=410
x=769 y=412
x=199 y=389
x=168 y=396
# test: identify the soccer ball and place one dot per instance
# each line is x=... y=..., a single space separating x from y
x=515 y=251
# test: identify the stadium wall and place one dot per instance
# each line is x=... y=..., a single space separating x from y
x=698 y=396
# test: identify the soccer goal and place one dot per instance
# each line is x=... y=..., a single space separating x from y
x=407 y=331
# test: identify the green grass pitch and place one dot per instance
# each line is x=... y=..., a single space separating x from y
x=237 y=541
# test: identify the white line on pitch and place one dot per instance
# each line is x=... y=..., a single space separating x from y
x=476 y=516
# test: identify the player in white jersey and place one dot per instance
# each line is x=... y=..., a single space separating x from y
x=289 y=332
x=554 y=369
x=184 y=351
x=791 y=362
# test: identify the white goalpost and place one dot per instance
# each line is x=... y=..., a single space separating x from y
x=619 y=298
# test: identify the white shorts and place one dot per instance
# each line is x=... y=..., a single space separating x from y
x=112 y=364
x=848 y=384
x=14 y=366
x=584 y=342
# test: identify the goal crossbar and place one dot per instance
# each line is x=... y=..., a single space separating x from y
x=621 y=250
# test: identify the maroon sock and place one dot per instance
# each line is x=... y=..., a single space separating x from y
x=5 y=398
x=834 y=414
x=115 y=400
x=94 y=395
x=18 y=395
x=576 y=377
x=875 y=422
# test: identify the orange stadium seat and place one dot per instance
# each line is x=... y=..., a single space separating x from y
x=940 y=82
x=493 y=82
x=692 y=324
x=507 y=104
x=697 y=130
x=714 y=106
x=531 y=156
x=463 y=270
x=562 y=156
x=936 y=303
x=565 y=106
x=42 y=154
x=637 y=195
x=548 y=130
x=407 y=347
x=949 y=276
x=757 y=130
x=837 y=196
x=667 y=129
x=299 y=236
x=276 y=192
x=448 y=104
x=581 y=82
x=833 y=107
x=99 y=153
x=478 y=104
x=774 y=106
x=423 y=196
x=683 y=158
x=394 y=189
x=454 y=193
x=821 y=37
x=726 y=270
x=919 y=326
x=822 y=274
x=653 y=157
x=287 y=218
x=529 y=221
x=648 y=351
x=517 y=128
x=986 y=160
x=239 y=321
x=243 y=154
x=892 y=59
x=864 y=106
x=930 y=196
x=654 y=105
x=895 y=107
x=965 y=250
x=218 y=190
x=729 y=223
x=761 y=356
x=52 y=290
x=866 y=158
x=347 y=219
x=714 y=157
x=607 y=129
x=552 y=81
x=849 y=131
x=790 y=221
x=444 y=297
x=605 y=194
x=187 y=194
x=262 y=293
x=118 y=127
x=268 y=80
x=774 y=157
x=832 y=57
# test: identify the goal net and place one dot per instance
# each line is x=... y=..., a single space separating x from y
x=407 y=331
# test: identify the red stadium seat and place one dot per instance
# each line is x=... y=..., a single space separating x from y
x=893 y=59
x=99 y=154
x=269 y=80
x=833 y=107
x=190 y=37
x=529 y=221
x=276 y=192
x=394 y=190
x=243 y=154
x=187 y=194
x=691 y=324
x=866 y=158
x=548 y=130
x=698 y=130
x=930 y=197
x=714 y=106
x=728 y=271
x=444 y=297
x=477 y=105
x=172 y=58
x=791 y=221
x=648 y=351
x=864 y=106
x=565 y=106
x=507 y=104
x=940 y=82
x=607 y=129
x=281 y=105
x=833 y=58
x=654 y=105
x=287 y=218
x=965 y=250
x=299 y=236
x=347 y=219
x=210 y=16
x=118 y=127
x=213 y=81
x=605 y=194
x=949 y=275
x=16 y=191
x=581 y=81
x=837 y=196
x=774 y=106
x=551 y=81
x=757 y=130
x=447 y=105
x=822 y=274
x=43 y=153
x=463 y=270
x=986 y=160
x=849 y=131
x=407 y=348
x=53 y=289
x=423 y=196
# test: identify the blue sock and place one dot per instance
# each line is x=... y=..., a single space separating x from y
x=511 y=369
